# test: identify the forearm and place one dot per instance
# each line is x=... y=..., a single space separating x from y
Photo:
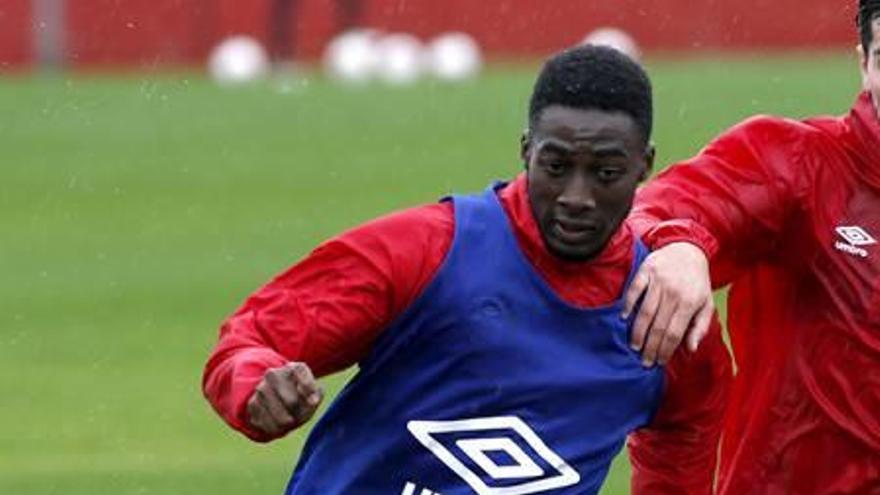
x=315 y=326
x=322 y=324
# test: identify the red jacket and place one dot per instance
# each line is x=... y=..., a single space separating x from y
x=329 y=308
x=795 y=210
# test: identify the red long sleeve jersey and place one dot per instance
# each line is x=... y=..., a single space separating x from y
x=328 y=309
x=795 y=210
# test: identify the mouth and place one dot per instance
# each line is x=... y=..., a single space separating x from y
x=575 y=231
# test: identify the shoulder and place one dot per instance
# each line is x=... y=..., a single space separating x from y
x=768 y=129
x=389 y=244
x=780 y=130
x=780 y=146
x=404 y=248
x=426 y=223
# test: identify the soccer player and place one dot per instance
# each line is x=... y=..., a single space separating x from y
x=492 y=354
x=789 y=212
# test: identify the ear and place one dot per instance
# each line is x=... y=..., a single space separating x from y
x=863 y=65
x=525 y=147
x=650 y=155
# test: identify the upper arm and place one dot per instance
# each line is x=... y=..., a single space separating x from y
x=327 y=310
x=741 y=188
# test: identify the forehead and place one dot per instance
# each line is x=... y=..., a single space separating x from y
x=575 y=124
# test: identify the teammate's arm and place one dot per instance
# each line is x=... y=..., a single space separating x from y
x=732 y=201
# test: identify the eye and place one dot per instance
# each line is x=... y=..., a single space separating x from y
x=609 y=174
x=555 y=167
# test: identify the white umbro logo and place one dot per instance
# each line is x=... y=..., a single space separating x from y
x=496 y=456
x=856 y=238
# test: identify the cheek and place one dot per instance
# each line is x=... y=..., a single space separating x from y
x=619 y=191
x=618 y=200
x=872 y=85
x=871 y=77
x=541 y=197
x=542 y=203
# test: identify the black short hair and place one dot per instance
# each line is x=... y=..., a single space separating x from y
x=868 y=11
x=591 y=77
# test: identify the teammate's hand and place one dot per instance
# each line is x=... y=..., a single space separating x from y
x=677 y=302
x=284 y=399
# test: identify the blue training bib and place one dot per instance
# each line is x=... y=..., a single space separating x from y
x=488 y=384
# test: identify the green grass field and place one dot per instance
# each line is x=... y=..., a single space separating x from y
x=136 y=213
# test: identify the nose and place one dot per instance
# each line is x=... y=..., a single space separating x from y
x=577 y=196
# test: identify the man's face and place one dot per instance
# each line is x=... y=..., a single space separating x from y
x=871 y=65
x=583 y=169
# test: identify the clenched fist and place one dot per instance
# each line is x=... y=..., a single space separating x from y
x=284 y=399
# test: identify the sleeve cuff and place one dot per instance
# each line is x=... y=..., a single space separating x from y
x=229 y=389
x=665 y=233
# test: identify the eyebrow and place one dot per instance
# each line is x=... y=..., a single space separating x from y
x=551 y=144
x=606 y=152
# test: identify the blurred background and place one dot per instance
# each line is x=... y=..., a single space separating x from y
x=160 y=159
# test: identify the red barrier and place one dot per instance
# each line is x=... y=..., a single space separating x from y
x=154 y=32
x=15 y=33
x=140 y=32
x=538 y=27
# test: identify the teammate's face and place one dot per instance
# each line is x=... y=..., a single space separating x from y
x=871 y=66
x=583 y=169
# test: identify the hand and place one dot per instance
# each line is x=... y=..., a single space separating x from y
x=284 y=399
x=674 y=281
